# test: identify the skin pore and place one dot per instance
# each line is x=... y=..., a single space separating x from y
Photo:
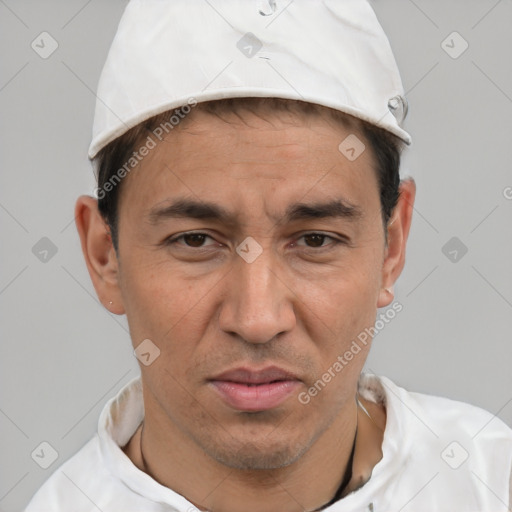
x=299 y=305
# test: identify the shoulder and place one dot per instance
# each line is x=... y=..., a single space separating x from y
x=461 y=453
x=459 y=417
x=435 y=411
x=69 y=486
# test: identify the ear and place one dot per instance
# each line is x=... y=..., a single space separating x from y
x=398 y=232
x=99 y=253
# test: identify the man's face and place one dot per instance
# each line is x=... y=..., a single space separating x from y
x=286 y=315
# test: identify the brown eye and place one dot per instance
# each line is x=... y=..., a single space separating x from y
x=194 y=239
x=190 y=240
x=315 y=240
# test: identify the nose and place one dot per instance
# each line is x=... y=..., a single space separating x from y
x=258 y=304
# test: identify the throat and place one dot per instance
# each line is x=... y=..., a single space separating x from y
x=282 y=489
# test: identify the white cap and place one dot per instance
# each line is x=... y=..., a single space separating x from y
x=167 y=53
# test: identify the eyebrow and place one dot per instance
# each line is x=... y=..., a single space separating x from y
x=189 y=208
x=337 y=208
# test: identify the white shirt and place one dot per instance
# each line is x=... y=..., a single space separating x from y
x=439 y=455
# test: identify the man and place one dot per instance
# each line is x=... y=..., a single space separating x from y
x=250 y=221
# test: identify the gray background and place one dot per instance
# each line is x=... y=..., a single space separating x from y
x=63 y=355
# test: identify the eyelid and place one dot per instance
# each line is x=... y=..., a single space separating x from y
x=171 y=240
x=335 y=240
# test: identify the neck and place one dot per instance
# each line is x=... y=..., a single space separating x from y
x=175 y=461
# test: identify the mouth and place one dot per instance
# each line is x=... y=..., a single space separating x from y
x=249 y=390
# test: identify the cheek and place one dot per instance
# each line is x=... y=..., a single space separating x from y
x=343 y=315
x=344 y=300
x=162 y=306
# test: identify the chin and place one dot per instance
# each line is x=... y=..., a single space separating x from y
x=264 y=454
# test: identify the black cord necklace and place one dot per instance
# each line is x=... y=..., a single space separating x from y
x=346 y=477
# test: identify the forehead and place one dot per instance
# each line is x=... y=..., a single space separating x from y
x=229 y=156
x=264 y=140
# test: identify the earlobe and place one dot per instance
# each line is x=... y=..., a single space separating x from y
x=398 y=232
x=99 y=253
x=386 y=296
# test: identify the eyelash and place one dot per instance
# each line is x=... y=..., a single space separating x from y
x=334 y=241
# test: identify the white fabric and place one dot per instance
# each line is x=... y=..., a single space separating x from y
x=330 y=52
x=411 y=477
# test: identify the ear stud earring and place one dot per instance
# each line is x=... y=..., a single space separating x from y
x=389 y=291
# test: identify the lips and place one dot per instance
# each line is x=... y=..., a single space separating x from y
x=251 y=390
